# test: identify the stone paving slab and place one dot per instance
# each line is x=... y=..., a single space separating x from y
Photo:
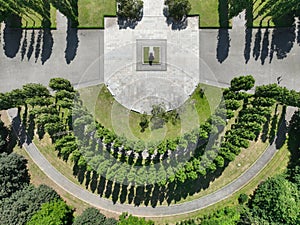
x=122 y=55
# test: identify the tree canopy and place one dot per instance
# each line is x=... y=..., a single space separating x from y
x=178 y=9
x=13 y=174
x=54 y=213
x=276 y=201
x=92 y=216
x=21 y=205
x=130 y=9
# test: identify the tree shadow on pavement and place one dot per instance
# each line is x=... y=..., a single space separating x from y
x=47 y=45
x=12 y=36
x=24 y=46
x=31 y=45
x=282 y=42
x=223 y=45
x=248 y=32
x=72 y=43
x=257 y=42
x=265 y=47
x=223 y=34
x=248 y=40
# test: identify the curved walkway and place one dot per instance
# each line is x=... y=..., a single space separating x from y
x=144 y=211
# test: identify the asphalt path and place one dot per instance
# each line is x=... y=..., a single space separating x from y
x=144 y=211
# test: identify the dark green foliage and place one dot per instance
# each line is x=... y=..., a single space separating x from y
x=178 y=9
x=225 y=216
x=281 y=11
x=243 y=198
x=126 y=219
x=60 y=84
x=237 y=6
x=242 y=83
x=110 y=221
x=35 y=90
x=4 y=131
x=295 y=122
x=294 y=174
x=20 y=8
x=92 y=216
x=232 y=104
x=280 y=94
x=13 y=174
x=130 y=9
x=276 y=201
x=55 y=212
x=21 y=205
x=144 y=123
x=65 y=146
x=264 y=102
x=69 y=8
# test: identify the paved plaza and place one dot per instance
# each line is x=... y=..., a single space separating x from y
x=220 y=55
x=139 y=89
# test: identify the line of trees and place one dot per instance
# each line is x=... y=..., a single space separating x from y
x=95 y=150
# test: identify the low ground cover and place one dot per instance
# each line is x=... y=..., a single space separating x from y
x=91 y=13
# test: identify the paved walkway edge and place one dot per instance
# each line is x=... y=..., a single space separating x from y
x=145 y=211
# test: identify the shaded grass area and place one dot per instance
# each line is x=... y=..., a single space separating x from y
x=124 y=122
x=261 y=20
x=34 y=20
x=91 y=12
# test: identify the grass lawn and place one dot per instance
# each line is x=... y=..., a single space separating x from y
x=156 y=55
x=91 y=12
x=122 y=121
x=34 y=20
x=208 y=11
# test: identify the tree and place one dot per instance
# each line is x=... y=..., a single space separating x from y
x=144 y=123
x=35 y=90
x=3 y=136
x=277 y=201
x=91 y=216
x=59 y=84
x=21 y=205
x=178 y=9
x=224 y=216
x=126 y=219
x=242 y=83
x=243 y=198
x=13 y=174
x=130 y=9
x=55 y=212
